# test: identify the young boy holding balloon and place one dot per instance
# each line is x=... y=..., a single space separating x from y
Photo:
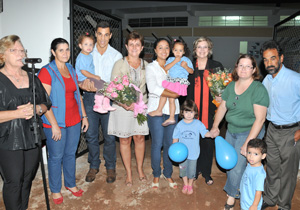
x=252 y=183
x=187 y=132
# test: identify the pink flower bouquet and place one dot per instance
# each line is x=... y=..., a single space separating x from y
x=122 y=91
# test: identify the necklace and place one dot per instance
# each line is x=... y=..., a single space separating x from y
x=133 y=64
x=17 y=80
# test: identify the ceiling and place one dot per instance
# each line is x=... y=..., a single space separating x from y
x=128 y=8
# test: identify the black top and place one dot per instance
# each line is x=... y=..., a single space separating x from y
x=211 y=66
x=18 y=133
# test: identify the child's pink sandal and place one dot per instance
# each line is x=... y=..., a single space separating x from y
x=190 y=190
x=185 y=189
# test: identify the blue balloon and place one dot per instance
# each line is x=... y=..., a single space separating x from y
x=178 y=152
x=225 y=153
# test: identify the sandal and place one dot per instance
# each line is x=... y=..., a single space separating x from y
x=228 y=207
x=143 y=179
x=184 y=189
x=173 y=184
x=59 y=200
x=155 y=185
x=209 y=181
x=190 y=190
x=128 y=184
x=77 y=194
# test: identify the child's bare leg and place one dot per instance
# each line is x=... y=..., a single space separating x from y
x=172 y=108
x=191 y=181
x=158 y=111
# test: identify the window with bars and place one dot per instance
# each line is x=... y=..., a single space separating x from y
x=233 y=21
x=293 y=22
x=158 y=22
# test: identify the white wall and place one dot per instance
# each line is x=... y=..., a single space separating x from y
x=37 y=22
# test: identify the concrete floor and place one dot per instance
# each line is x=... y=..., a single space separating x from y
x=100 y=195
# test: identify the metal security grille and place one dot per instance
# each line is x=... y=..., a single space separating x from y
x=287 y=33
x=84 y=19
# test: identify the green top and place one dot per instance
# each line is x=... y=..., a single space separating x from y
x=240 y=115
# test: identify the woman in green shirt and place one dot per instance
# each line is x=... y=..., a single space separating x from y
x=245 y=100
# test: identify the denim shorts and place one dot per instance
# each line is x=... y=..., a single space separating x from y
x=188 y=168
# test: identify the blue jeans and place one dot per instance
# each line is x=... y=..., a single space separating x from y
x=92 y=136
x=161 y=137
x=188 y=168
x=62 y=152
x=234 y=176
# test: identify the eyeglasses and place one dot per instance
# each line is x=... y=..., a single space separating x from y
x=16 y=51
x=246 y=67
x=202 y=48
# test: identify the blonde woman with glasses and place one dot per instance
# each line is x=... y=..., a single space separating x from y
x=18 y=150
x=198 y=91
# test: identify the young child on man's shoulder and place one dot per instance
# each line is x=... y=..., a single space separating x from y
x=252 y=183
x=188 y=131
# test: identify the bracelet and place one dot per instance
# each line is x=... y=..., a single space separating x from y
x=85 y=117
x=41 y=110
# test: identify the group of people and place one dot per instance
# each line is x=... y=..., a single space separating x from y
x=64 y=113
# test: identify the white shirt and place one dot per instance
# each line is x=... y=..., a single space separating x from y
x=154 y=77
x=104 y=63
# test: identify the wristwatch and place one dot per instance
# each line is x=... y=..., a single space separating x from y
x=41 y=110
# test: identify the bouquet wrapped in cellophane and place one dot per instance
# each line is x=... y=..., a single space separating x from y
x=217 y=83
x=122 y=91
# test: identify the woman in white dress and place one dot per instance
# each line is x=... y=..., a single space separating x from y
x=122 y=122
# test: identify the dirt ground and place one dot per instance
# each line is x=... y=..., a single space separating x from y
x=100 y=195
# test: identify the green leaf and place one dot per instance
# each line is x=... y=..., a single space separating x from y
x=141 y=119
